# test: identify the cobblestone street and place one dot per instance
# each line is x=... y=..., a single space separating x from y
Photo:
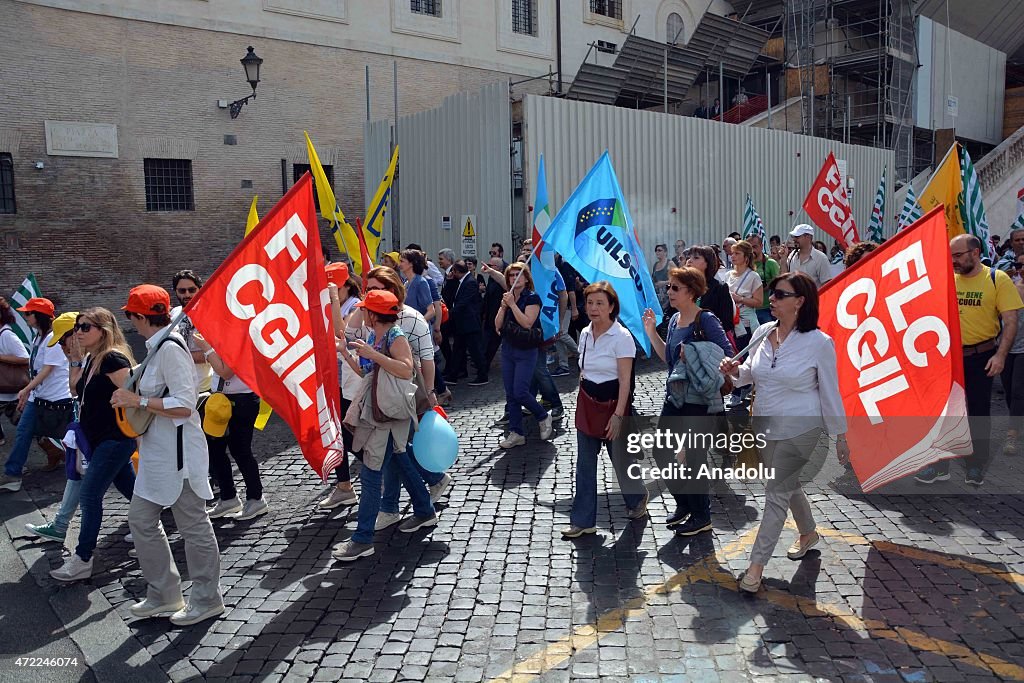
x=905 y=587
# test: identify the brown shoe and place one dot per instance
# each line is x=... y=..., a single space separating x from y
x=54 y=455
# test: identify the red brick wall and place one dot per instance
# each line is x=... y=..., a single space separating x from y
x=81 y=224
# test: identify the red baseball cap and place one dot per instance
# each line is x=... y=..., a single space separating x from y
x=38 y=304
x=380 y=301
x=148 y=300
x=337 y=273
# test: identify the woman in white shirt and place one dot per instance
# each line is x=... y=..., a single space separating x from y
x=12 y=353
x=607 y=351
x=47 y=390
x=174 y=468
x=746 y=289
x=794 y=371
x=237 y=438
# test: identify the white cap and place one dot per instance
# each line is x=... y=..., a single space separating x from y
x=801 y=230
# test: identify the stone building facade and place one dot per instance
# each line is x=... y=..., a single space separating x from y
x=92 y=90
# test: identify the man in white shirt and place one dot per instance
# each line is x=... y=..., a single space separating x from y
x=806 y=259
x=186 y=285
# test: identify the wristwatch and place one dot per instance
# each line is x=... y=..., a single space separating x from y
x=144 y=403
x=77 y=364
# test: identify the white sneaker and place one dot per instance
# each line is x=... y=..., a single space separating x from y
x=338 y=498
x=512 y=440
x=547 y=428
x=438 y=489
x=225 y=508
x=148 y=608
x=253 y=508
x=128 y=538
x=74 y=569
x=193 y=615
x=386 y=519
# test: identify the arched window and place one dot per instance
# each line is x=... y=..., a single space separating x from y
x=674 y=29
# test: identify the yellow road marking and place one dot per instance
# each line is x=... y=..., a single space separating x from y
x=583 y=637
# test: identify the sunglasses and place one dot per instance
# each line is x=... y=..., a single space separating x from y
x=374 y=289
x=676 y=288
x=84 y=327
x=494 y=253
x=781 y=294
x=187 y=290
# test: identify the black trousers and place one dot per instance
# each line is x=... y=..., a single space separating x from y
x=472 y=344
x=492 y=342
x=244 y=411
x=978 y=387
x=342 y=471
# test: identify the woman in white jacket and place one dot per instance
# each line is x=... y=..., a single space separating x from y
x=794 y=371
x=174 y=470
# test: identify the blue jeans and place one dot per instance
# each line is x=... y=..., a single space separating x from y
x=517 y=370
x=393 y=479
x=584 y=504
x=370 y=499
x=543 y=382
x=111 y=463
x=764 y=315
x=23 y=436
x=68 y=505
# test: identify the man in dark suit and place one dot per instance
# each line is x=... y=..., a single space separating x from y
x=467 y=332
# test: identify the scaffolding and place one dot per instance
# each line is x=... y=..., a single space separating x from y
x=854 y=63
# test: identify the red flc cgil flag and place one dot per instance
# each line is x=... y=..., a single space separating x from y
x=266 y=311
x=894 y=319
x=829 y=207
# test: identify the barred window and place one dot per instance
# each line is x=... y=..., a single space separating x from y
x=299 y=169
x=429 y=7
x=608 y=8
x=524 y=17
x=7 y=183
x=168 y=185
x=673 y=29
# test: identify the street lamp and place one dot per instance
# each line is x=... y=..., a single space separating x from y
x=251 y=63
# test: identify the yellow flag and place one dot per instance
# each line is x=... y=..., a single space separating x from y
x=374 y=226
x=344 y=234
x=946 y=188
x=254 y=218
x=265 y=410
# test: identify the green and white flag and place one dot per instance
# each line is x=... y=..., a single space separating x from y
x=875 y=233
x=912 y=210
x=1018 y=224
x=973 y=210
x=752 y=223
x=29 y=288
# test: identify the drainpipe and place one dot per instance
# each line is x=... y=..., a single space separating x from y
x=558 y=42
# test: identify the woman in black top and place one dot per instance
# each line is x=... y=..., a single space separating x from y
x=717 y=298
x=101 y=361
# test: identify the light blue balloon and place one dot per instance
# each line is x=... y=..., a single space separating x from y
x=435 y=445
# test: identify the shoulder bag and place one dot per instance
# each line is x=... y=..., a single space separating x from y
x=13 y=378
x=594 y=409
x=134 y=422
x=517 y=335
x=392 y=398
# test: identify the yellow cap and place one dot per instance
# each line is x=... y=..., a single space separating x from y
x=216 y=415
x=394 y=256
x=62 y=324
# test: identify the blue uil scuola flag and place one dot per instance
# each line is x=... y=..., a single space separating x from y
x=594 y=233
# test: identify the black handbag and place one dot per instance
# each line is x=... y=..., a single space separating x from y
x=53 y=417
x=521 y=337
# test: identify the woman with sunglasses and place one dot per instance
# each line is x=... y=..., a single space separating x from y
x=47 y=390
x=689 y=323
x=1013 y=372
x=12 y=353
x=794 y=372
x=100 y=350
x=518 y=323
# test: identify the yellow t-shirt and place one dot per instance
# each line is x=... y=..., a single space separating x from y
x=981 y=304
